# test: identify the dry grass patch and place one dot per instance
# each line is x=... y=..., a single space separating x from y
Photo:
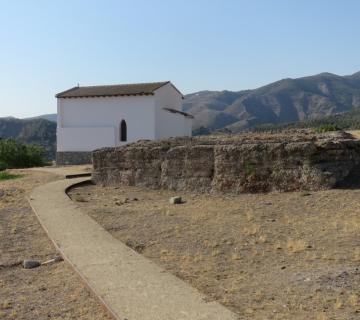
x=48 y=292
x=264 y=256
x=295 y=246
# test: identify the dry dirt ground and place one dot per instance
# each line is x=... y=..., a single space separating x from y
x=48 y=292
x=264 y=256
x=355 y=133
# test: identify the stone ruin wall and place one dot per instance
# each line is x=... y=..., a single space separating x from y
x=231 y=164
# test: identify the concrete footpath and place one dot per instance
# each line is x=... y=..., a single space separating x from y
x=129 y=285
x=65 y=170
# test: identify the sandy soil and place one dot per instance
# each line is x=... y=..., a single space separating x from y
x=48 y=292
x=355 y=133
x=265 y=256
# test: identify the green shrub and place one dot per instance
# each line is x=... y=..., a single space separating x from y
x=326 y=128
x=4 y=175
x=14 y=154
x=250 y=168
x=3 y=166
x=201 y=131
x=166 y=146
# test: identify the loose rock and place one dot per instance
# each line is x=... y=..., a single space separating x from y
x=30 y=264
x=122 y=201
x=175 y=200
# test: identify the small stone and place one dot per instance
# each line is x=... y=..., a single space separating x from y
x=122 y=201
x=175 y=200
x=30 y=264
x=135 y=199
x=58 y=259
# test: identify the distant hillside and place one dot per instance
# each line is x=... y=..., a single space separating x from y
x=38 y=131
x=284 y=101
x=346 y=121
x=50 y=117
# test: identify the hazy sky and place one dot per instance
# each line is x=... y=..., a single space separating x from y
x=50 y=46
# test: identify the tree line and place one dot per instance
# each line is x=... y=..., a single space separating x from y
x=16 y=154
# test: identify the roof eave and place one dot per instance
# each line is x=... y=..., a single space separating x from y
x=185 y=114
x=66 y=91
x=104 y=95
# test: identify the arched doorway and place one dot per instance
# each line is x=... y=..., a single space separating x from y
x=123 y=131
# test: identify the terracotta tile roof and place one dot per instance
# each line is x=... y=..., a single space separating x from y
x=112 y=90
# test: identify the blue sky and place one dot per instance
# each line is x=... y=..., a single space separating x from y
x=49 y=46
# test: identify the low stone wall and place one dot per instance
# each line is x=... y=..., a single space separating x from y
x=232 y=164
x=72 y=158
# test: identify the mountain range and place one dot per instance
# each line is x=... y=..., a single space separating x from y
x=287 y=100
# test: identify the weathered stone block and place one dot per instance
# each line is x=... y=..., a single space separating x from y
x=233 y=163
x=73 y=158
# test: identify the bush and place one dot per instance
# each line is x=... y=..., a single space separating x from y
x=4 y=175
x=14 y=154
x=326 y=128
x=3 y=166
x=250 y=168
x=201 y=131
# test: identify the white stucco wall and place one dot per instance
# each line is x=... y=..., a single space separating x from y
x=168 y=97
x=170 y=124
x=77 y=139
x=86 y=124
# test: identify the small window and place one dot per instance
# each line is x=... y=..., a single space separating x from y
x=123 y=130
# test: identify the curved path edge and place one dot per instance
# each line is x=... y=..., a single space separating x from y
x=130 y=286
